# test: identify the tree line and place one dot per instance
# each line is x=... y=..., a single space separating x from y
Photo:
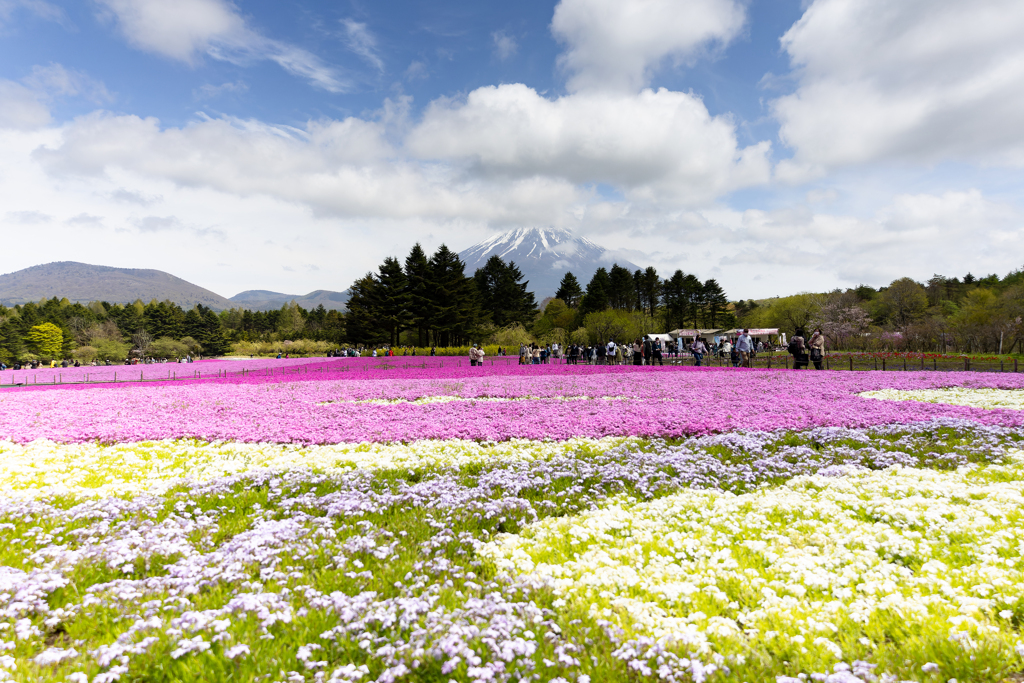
x=434 y=302
x=943 y=314
x=56 y=329
x=425 y=300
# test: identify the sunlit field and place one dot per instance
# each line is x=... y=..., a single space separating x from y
x=364 y=520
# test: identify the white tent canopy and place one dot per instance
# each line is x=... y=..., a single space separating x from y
x=707 y=334
x=758 y=332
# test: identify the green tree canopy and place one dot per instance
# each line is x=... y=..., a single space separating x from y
x=46 y=340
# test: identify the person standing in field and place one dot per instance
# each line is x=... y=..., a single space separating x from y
x=817 y=347
x=798 y=349
x=698 y=350
x=638 y=352
x=744 y=346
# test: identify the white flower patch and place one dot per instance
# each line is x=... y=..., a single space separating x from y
x=816 y=565
x=44 y=467
x=1010 y=399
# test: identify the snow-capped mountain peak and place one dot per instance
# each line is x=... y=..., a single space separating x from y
x=544 y=255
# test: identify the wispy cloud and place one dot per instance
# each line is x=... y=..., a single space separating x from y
x=359 y=40
x=187 y=29
x=28 y=217
x=210 y=91
x=416 y=70
x=505 y=46
x=56 y=79
x=43 y=10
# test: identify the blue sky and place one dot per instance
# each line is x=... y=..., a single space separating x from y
x=778 y=145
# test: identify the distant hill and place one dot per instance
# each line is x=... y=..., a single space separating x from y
x=544 y=255
x=83 y=282
x=264 y=300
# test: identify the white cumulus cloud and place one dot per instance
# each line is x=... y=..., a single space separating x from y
x=923 y=81
x=655 y=144
x=616 y=44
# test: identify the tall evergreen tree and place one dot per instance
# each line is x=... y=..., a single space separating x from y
x=569 y=290
x=693 y=300
x=192 y=325
x=503 y=297
x=715 y=303
x=621 y=292
x=213 y=340
x=647 y=285
x=454 y=308
x=674 y=301
x=392 y=300
x=163 y=319
x=596 y=297
x=417 y=275
x=361 y=326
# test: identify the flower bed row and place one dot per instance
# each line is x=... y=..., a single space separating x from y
x=386 y=575
x=652 y=402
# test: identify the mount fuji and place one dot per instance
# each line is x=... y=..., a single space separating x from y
x=544 y=255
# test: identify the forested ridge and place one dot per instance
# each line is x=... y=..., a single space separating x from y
x=429 y=300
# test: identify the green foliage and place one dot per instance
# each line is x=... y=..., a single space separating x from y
x=597 y=295
x=557 y=316
x=111 y=350
x=46 y=341
x=619 y=326
x=85 y=354
x=166 y=347
x=393 y=299
x=503 y=295
x=902 y=302
x=512 y=336
x=434 y=297
x=569 y=290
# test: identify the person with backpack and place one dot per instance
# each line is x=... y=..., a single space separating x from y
x=798 y=349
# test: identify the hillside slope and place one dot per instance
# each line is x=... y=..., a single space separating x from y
x=84 y=282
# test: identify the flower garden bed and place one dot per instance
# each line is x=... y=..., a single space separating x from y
x=552 y=523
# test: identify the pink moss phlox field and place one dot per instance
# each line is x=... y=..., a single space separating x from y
x=320 y=407
x=47 y=375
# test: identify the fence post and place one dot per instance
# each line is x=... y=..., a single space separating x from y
x=904 y=364
x=851 y=362
x=935 y=364
x=787 y=362
x=967 y=365
x=922 y=361
x=883 y=364
x=1015 y=365
x=876 y=364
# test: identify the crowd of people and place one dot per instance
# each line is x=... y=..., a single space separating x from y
x=739 y=352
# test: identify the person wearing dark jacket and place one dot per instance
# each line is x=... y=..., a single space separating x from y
x=798 y=347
